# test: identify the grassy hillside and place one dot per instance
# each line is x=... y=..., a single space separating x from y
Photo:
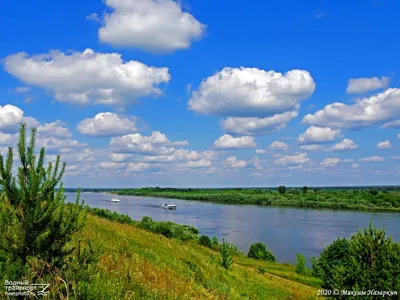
x=134 y=264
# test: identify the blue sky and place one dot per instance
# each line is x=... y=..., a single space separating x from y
x=201 y=93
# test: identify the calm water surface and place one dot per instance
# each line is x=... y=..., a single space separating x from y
x=286 y=231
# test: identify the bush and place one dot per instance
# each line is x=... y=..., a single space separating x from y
x=368 y=261
x=260 y=251
x=214 y=242
x=262 y=270
x=226 y=255
x=333 y=256
x=301 y=264
x=205 y=241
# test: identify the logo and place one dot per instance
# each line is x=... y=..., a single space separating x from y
x=25 y=288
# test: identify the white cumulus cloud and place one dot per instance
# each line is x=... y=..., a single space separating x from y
x=313 y=148
x=251 y=92
x=54 y=129
x=229 y=142
x=297 y=159
x=107 y=124
x=258 y=126
x=88 y=77
x=346 y=144
x=152 y=25
x=362 y=85
x=280 y=146
x=330 y=162
x=372 y=159
x=384 y=145
x=233 y=162
x=381 y=108
x=318 y=135
x=154 y=144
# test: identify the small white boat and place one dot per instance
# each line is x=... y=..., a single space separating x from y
x=115 y=200
x=168 y=206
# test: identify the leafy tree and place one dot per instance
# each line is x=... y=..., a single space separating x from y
x=373 y=192
x=205 y=241
x=368 y=261
x=226 y=255
x=260 y=251
x=35 y=223
x=301 y=267
x=331 y=258
x=305 y=189
x=282 y=189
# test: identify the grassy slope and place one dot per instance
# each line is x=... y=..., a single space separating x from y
x=137 y=264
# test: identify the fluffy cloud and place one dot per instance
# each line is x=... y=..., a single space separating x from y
x=196 y=164
x=52 y=143
x=313 y=148
x=258 y=126
x=88 y=77
x=362 y=85
x=298 y=159
x=280 y=146
x=380 y=108
x=120 y=157
x=330 y=162
x=54 y=129
x=155 y=144
x=111 y=165
x=384 y=145
x=261 y=151
x=233 y=162
x=177 y=155
x=346 y=144
x=318 y=135
x=251 y=92
x=355 y=166
x=372 y=159
x=152 y=25
x=10 y=117
x=107 y=124
x=138 y=167
x=7 y=139
x=229 y=142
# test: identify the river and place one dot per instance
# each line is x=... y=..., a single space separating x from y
x=286 y=231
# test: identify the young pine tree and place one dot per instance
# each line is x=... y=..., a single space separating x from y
x=226 y=255
x=35 y=223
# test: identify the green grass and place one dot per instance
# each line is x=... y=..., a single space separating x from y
x=136 y=264
x=346 y=199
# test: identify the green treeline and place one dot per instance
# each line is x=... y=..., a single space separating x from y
x=382 y=199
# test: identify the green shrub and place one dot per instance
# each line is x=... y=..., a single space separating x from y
x=368 y=261
x=260 y=251
x=205 y=241
x=214 y=242
x=226 y=255
x=301 y=264
x=262 y=270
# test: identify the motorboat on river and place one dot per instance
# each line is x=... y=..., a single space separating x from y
x=168 y=206
x=115 y=200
